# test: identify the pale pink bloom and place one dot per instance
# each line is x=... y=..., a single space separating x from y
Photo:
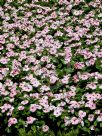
x=57 y=111
x=92 y=128
x=68 y=54
x=46 y=109
x=44 y=88
x=1 y=85
x=65 y=80
x=9 y=113
x=99 y=118
x=98 y=96
x=20 y=107
x=33 y=107
x=5 y=107
x=8 y=82
x=12 y=121
x=74 y=104
x=50 y=94
x=5 y=93
x=71 y=93
x=58 y=96
x=1 y=76
x=90 y=104
x=77 y=12
x=28 y=14
x=97 y=112
x=78 y=1
x=82 y=114
x=14 y=72
x=67 y=121
x=4 y=60
x=24 y=102
x=84 y=77
x=82 y=123
x=79 y=65
x=75 y=78
x=35 y=82
x=100 y=86
x=43 y=102
x=11 y=100
x=61 y=104
x=73 y=88
x=45 y=128
x=45 y=59
x=90 y=117
x=90 y=62
x=1 y=47
x=53 y=50
x=2 y=40
x=54 y=15
x=30 y=120
x=75 y=121
x=53 y=79
x=91 y=86
x=72 y=111
x=52 y=107
x=26 y=68
x=26 y=87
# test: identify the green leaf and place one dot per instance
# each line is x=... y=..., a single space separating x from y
x=100 y=124
x=58 y=123
x=22 y=132
x=33 y=129
x=2 y=2
x=59 y=133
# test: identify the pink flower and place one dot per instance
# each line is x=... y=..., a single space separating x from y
x=75 y=78
x=74 y=104
x=54 y=15
x=24 y=102
x=90 y=104
x=57 y=111
x=68 y=54
x=2 y=41
x=90 y=117
x=12 y=121
x=99 y=118
x=97 y=112
x=53 y=50
x=71 y=93
x=53 y=79
x=65 y=80
x=91 y=86
x=79 y=65
x=30 y=120
x=84 y=76
x=44 y=88
x=21 y=108
x=82 y=114
x=45 y=128
x=77 y=1
x=75 y=121
x=28 y=14
x=92 y=128
x=35 y=82
x=33 y=107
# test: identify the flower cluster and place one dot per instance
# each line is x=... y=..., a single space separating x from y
x=50 y=64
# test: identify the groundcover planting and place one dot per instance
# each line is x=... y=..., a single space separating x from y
x=50 y=68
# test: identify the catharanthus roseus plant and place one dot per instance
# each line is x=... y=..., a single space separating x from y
x=50 y=67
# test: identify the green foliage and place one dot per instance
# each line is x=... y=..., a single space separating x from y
x=35 y=132
x=2 y=2
x=22 y=132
